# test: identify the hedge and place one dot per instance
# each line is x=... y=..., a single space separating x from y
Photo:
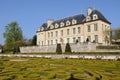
x=108 y=47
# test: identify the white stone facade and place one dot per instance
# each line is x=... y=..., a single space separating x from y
x=94 y=27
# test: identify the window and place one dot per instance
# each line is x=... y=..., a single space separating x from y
x=48 y=34
x=96 y=38
x=95 y=27
x=56 y=25
x=95 y=17
x=74 y=31
x=67 y=23
x=74 y=21
x=56 y=41
x=103 y=27
x=61 y=24
x=88 y=27
x=78 y=30
x=88 y=18
x=42 y=29
x=74 y=40
x=48 y=42
x=68 y=40
x=39 y=42
x=51 y=34
x=79 y=39
x=42 y=43
x=61 y=32
x=68 y=31
x=56 y=33
x=89 y=38
x=51 y=26
x=51 y=42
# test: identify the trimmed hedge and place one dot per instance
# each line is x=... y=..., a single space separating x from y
x=67 y=48
x=108 y=47
x=58 y=49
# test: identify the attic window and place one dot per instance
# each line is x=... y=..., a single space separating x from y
x=74 y=21
x=67 y=23
x=38 y=29
x=56 y=25
x=61 y=24
x=95 y=17
x=51 y=26
x=41 y=29
x=88 y=18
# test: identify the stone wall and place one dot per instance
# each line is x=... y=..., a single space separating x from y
x=67 y=56
x=0 y=50
x=52 y=48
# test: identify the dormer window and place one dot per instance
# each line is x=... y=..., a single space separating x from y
x=56 y=25
x=88 y=18
x=51 y=26
x=95 y=17
x=67 y=23
x=38 y=29
x=41 y=29
x=74 y=21
x=62 y=24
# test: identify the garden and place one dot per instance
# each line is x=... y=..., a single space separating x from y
x=17 y=68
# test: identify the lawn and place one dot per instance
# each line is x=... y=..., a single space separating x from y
x=58 y=69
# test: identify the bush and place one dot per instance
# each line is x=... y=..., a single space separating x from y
x=67 y=48
x=108 y=47
x=58 y=49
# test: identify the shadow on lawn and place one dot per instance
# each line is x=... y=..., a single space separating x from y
x=72 y=78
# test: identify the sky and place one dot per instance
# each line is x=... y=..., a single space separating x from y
x=31 y=14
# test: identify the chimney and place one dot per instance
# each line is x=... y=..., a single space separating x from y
x=49 y=22
x=89 y=11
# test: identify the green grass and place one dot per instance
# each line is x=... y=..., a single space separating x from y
x=75 y=53
x=55 y=69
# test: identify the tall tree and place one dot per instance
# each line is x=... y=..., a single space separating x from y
x=12 y=34
x=34 y=40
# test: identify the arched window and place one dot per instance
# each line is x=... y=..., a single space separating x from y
x=56 y=25
x=74 y=21
x=95 y=17
x=51 y=26
x=41 y=29
x=62 y=24
x=67 y=23
x=88 y=18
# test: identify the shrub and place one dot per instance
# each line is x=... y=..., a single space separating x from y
x=58 y=49
x=108 y=47
x=67 y=48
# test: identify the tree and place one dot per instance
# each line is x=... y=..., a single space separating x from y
x=58 y=49
x=67 y=48
x=34 y=40
x=107 y=36
x=12 y=34
x=116 y=34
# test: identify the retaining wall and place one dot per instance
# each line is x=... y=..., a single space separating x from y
x=52 y=48
x=65 y=56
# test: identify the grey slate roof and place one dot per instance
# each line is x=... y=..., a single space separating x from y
x=80 y=19
x=100 y=16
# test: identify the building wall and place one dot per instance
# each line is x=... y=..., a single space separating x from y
x=50 y=37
